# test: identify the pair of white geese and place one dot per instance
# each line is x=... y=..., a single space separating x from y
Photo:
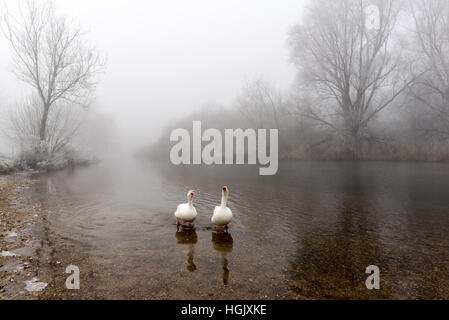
x=186 y=212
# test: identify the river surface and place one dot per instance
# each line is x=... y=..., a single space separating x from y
x=308 y=232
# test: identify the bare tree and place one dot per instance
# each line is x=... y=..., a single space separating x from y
x=63 y=123
x=51 y=56
x=348 y=72
x=431 y=20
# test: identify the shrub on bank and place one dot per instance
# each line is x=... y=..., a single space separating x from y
x=6 y=166
x=39 y=155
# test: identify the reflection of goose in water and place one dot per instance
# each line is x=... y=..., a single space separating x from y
x=223 y=243
x=188 y=237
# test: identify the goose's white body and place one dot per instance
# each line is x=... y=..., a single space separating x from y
x=222 y=214
x=186 y=211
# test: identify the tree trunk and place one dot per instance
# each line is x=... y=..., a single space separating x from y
x=43 y=127
x=352 y=143
x=355 y=144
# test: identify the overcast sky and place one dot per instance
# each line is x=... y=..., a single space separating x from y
x=167 y=58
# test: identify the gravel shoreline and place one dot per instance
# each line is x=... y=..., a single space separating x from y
x=21 y=234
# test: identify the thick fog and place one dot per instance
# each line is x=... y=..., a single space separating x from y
x=360 y=80
x=166 y=59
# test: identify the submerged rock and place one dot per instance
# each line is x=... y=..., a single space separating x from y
x=34 y=285
x=8 y=254
x=11 y=234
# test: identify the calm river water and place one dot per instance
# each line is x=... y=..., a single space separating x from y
x=308 y=232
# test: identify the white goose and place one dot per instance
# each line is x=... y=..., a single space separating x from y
x=186 y=212
x=222 y=214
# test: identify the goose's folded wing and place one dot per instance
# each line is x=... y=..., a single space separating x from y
x=179 y=208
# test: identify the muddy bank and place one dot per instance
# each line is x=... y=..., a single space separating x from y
x=28 y=269
x=20 y=240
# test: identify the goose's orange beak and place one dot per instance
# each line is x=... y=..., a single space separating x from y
x=192 y=193
x=225 y=188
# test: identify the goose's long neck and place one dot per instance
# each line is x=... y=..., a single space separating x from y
x=190 y=202
x=224 y=199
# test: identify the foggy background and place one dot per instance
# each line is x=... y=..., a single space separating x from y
x=166 y=59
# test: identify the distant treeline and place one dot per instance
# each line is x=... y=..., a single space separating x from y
x=371 y=85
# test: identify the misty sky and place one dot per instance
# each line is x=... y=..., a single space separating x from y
x=168 y=58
